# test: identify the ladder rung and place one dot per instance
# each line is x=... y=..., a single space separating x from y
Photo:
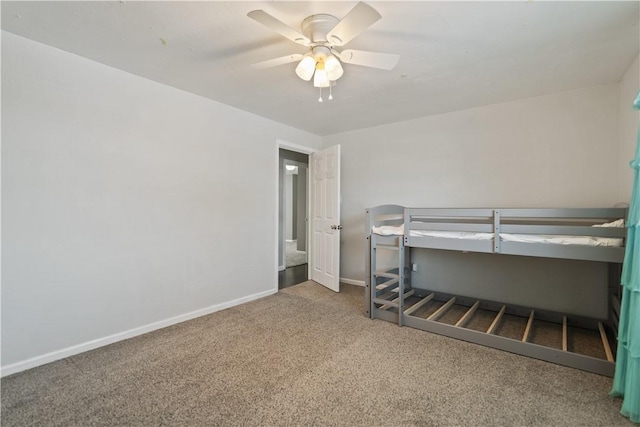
x=386 y=302
x=388 y=247
x=386 y=284
x=387 y=275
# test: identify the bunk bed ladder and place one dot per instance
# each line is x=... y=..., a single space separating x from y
x=395 y=283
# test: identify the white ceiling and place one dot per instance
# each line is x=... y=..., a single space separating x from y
x=454 y=55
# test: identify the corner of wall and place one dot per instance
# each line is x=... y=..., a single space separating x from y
x=627 y=128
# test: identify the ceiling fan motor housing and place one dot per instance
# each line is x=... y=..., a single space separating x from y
x=316 y=27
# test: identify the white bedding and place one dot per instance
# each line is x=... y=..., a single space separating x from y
x=522 y=238
x=467 y=235
x=388 y=230
x=561 y=240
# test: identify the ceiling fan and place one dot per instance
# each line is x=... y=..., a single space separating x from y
x=322 y=34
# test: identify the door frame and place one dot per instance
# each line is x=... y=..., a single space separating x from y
x=298 y=149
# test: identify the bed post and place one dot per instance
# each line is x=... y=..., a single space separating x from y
x=496 y=231
x=401 y=281
x=367 y=263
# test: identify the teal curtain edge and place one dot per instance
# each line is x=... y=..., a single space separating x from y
x=630 y=277
x=626 y=381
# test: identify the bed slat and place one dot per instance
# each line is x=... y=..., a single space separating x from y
x=396 y=300
x=605 y=342
x=464 y=319
x=527 y=330
x=419 y=304
x=496 y=320
x=439 y=312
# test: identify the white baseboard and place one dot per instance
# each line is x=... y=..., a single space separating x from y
x=352 y=282
x=101 y=342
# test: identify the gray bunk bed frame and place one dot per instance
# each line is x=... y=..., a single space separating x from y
x=386 y=290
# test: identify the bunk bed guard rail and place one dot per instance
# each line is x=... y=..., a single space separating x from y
x=506 y=231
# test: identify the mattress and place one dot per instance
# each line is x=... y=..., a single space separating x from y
x=506 y=237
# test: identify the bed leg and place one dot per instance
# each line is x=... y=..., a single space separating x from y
x=368 y=285
x=373 y=265
x=401 y=279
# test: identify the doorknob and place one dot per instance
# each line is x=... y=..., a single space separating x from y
x=336 y=227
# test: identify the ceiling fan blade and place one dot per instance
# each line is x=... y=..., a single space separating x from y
x=278 y=26
x=361 y=17
x=384 y=61
x=278 y=61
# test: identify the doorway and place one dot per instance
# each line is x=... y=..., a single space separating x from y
x=293 y=218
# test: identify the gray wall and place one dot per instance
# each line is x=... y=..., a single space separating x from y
x=124 y=206
x=628 y=125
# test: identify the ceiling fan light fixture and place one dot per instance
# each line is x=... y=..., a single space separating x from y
x=306 y=67
x=333 y=68
x=321 y=33
x=321 y=78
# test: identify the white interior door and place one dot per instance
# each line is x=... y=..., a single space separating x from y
x=325 y=217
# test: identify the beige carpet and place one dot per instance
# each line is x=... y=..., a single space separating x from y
x=305 y=356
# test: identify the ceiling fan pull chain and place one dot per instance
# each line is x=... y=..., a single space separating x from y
x=320 y=99
x=330 y=95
